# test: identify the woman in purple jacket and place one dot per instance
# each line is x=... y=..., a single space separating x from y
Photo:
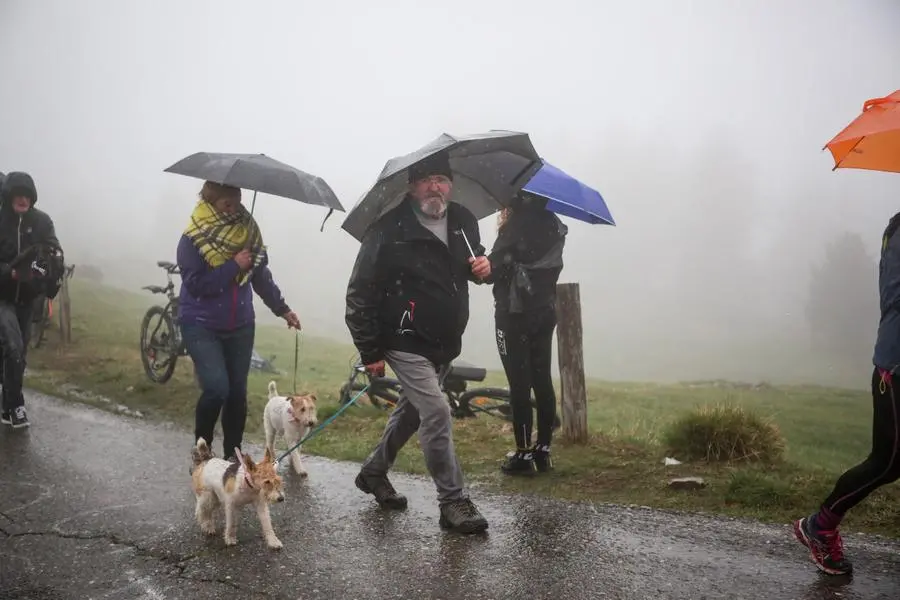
x=221 y=256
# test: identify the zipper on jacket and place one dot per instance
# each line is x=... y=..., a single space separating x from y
x=18 y=251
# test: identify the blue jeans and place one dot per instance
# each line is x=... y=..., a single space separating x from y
x=222 y=363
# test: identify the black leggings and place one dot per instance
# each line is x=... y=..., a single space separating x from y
x=525 y=343
x=883 y=464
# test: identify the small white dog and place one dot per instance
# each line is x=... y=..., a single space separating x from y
x=291 y=417
x=232 y=485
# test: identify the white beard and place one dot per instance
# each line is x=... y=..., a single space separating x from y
x=434 y=207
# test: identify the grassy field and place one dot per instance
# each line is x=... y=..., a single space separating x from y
x=827 y=430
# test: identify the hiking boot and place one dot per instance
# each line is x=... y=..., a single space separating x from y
x=825 y=547
x=19 y=418
x=6 y=418
x=462 y=516
x=520 y=462
x=380 y=487
x=541 y=457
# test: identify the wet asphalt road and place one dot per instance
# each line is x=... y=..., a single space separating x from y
x=96 y=506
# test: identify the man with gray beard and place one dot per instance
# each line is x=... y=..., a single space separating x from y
x=408 y=305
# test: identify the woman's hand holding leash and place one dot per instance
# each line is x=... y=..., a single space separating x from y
x=293 y=321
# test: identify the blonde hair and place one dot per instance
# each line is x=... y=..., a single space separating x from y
x=503 y=217
x=211 y=192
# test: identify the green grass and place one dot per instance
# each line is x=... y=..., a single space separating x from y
x=826 y=430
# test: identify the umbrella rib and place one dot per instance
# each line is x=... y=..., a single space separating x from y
x=570 y=205
x=852 y=148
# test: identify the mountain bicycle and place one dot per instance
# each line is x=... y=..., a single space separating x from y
x=384 y=392
x=161 y=341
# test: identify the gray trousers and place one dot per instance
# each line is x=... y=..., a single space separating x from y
x=422 y=408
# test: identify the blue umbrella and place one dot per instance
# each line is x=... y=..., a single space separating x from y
x=569 y=197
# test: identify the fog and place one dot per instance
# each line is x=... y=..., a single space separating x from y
x=702 y=124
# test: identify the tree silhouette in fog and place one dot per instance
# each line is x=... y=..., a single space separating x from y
x=842 y=308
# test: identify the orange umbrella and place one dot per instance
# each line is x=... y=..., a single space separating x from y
x=872 y=140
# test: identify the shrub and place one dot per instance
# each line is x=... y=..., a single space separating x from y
x=757 y=490
x=724 y=433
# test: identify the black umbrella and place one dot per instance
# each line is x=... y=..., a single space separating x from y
x=259 y=173
x=488 y=170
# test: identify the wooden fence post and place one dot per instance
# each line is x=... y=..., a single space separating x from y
x=65 y=313
x=571 y=362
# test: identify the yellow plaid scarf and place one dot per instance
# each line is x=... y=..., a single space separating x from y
x=218 y=237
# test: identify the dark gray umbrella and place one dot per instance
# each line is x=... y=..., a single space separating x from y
x=488 y=170
x=259 y=173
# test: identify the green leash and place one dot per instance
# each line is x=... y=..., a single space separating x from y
x=327 y=421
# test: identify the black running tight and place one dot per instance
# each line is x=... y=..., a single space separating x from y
x=883 y=464
x=525 y=344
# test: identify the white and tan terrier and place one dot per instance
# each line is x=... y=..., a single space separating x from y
x=233 y=485
x=291 y=417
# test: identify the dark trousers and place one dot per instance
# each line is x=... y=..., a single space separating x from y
x=883 y=464
x=221 y=364
x=525 y=344
x=15 y=328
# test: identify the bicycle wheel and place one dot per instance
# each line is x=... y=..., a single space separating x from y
x=492 y=401
x=158 y=339
x=381 y=394
x=495 y=402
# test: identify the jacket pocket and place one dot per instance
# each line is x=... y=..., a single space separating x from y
x=431 y=317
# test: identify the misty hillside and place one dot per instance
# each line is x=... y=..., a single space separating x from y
x=737 y=254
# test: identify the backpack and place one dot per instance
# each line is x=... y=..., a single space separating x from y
x=43 y=267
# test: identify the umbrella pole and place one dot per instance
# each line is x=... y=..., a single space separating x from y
x=253 y=204
x=465 y=237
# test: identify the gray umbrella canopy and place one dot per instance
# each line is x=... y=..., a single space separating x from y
x=259 y=173
x=488 y=170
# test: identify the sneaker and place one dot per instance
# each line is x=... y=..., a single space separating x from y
x=462 y=516
x=542 y=460
x=19 y=418
x=6 y=418
x=380 y=487
x=825 y=547
x=520 y=462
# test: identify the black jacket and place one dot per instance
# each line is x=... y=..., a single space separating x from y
x=529 y=235
x=408 y=291
x=27 y=241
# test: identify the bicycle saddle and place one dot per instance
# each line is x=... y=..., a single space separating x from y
x=156 y=289
x=170 y=267
x=462 y=371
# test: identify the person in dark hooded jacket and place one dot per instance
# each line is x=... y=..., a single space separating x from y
x=31 y=264
x=526 y=262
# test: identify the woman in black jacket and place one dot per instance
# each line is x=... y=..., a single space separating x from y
x=525 y=265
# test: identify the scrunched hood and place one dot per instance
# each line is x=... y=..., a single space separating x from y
x=15 y=184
